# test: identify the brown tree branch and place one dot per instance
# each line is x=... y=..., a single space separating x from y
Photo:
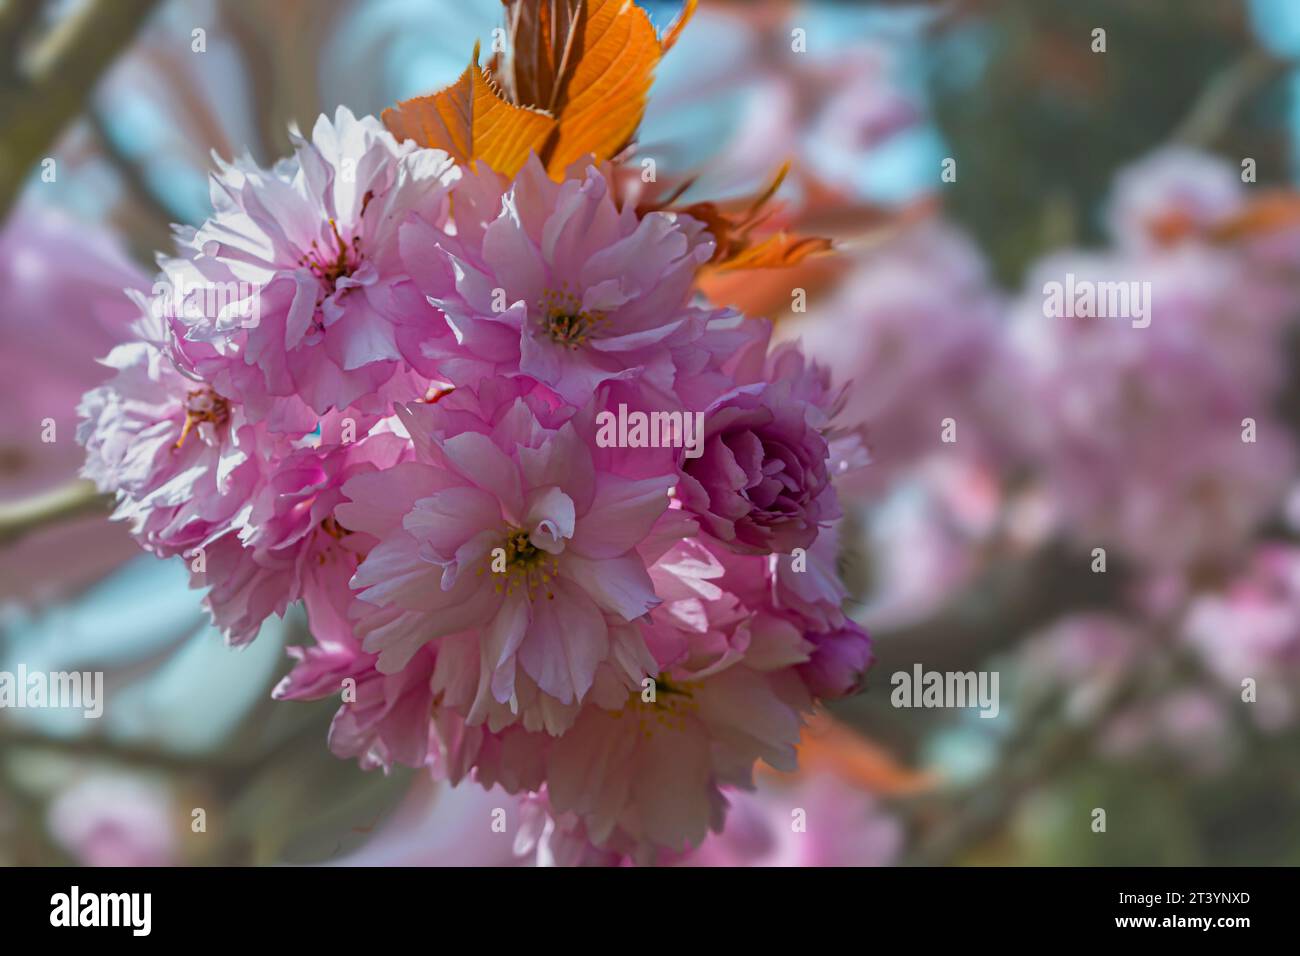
x=61 y=72
x=1011 y=600
x=979 y=812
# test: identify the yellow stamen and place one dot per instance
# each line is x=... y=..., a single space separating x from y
x=203 y=405
x=565 y=321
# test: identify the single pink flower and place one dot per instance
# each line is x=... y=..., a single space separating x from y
x=1251 y=631
x=555 y=281
x=816 y=821
x=646 y=775
x=290 y=546
x=117 y=820
x=838 y=663
x=762 y=483
x=383 y=719
x=653 y=771
x=504 y=526
x=306 y=257
x=1172 y=194
x=180 y=456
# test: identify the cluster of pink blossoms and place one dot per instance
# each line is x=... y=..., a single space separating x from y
x=1163 y=439
x=389 y=413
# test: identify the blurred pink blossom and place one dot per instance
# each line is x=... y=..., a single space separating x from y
x=1251 y=631
x=1138 y=432
x=116 y=820
x=63 y=307
x=913 y=333
x=818 y=820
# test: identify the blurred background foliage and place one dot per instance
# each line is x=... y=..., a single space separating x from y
x=1041 y=123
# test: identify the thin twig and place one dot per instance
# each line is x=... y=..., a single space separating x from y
x=1212 y=113
x=76 y=499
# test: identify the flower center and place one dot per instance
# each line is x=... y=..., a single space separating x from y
x=526 y=565
x=520 y=550
x=564 y=321
x=203 y=405
x=672 y=704
x=327 y=551
x=329 y=265
x=330 y=525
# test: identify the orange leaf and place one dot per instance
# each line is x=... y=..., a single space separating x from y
x=471 y=121
x=678 y=25
x=828 y=746
x=601 y=95
x=1273 y=211
x=590 y=64
x=732 y=225
x=776 y=252
x=767 y=292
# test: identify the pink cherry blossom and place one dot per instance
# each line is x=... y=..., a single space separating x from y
x=310 y=249
x=117 y=820
x=393 y=414
x=557 y=282
x=1251 y=631
x=814 y=821
x=499 y=477
x=1172 y=191
x=1141 y=432
x=179 y=456
x=762 y=482
x=383 y=718
x=290 y=546
x=652 y=773
x=913 y=332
